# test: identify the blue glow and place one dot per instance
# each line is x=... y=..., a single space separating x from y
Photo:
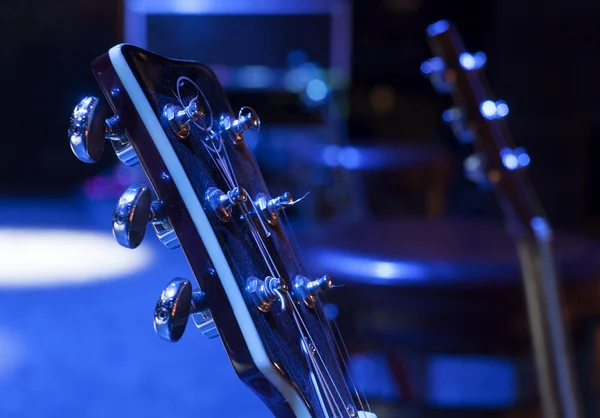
x=255 y=76
x=450 y=115
x=510 y=161
x=438 y=27
x=514 y=159
x=501 y=108
x=350 y=157
x=471 y=381
x=316 y=90
x=541 y=227
x=331 y=311
x=467 y=61
x=426 y=67
x=434 y=65
x=382 y=270
x=488 y=109
x=524 y=159
x=480 y=59
x=472 y=62
x=330 y=155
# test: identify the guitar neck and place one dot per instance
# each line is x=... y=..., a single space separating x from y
x=554 y=361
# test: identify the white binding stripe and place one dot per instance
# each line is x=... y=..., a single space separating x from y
x=257 y=350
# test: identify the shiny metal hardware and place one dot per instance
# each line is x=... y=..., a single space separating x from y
x=89 y=129
x=494 y=109
x=270 y=208
x=457 y=122
x=132 y=214
x=472 y=62
x=435 y=69
x=176 y=303
x=265 y=292
x=475 y=169
x=247 y=120
x=306 y=290
x=514 y=159
x=221 y=204
x=180 y=120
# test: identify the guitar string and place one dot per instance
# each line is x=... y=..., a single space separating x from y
x=298 y=320
x=320 y=382
x=275 y=273
x=322 y=321
x=230 y=177
x=254 y=232
x=344 y=355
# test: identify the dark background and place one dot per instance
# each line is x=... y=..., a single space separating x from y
x=542 y=60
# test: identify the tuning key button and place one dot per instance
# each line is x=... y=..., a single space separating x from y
x=176 y=303
x=86 y=130
x=132 y=214
x=89 y=129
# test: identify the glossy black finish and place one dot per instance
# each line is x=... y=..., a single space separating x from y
x=159 y=78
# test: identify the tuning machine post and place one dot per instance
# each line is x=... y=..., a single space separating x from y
x=306 y=290
x=270 y=208
x=89 y=129
x=176 y=304
x=132 y=214
x=247 y=120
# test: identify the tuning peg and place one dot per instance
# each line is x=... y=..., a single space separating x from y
x=132 y=214
x=513 y=159
x=494 y=110
x=176 y=303
x=89 y=128
x=221 y=203
x=306 y=290
x=455 y=118
x=270 y=208
x=475 y=170
x=434 y=69
x=180 y=119
x=472 y=61
x=247 y=120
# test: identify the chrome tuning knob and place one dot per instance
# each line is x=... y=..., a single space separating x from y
x=89 y=128
x=176 y=303
x=132 y=214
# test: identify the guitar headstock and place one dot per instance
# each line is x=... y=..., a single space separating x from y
x=173 y=117
x=479 y=118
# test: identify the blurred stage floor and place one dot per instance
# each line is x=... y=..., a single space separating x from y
x=88 y=349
